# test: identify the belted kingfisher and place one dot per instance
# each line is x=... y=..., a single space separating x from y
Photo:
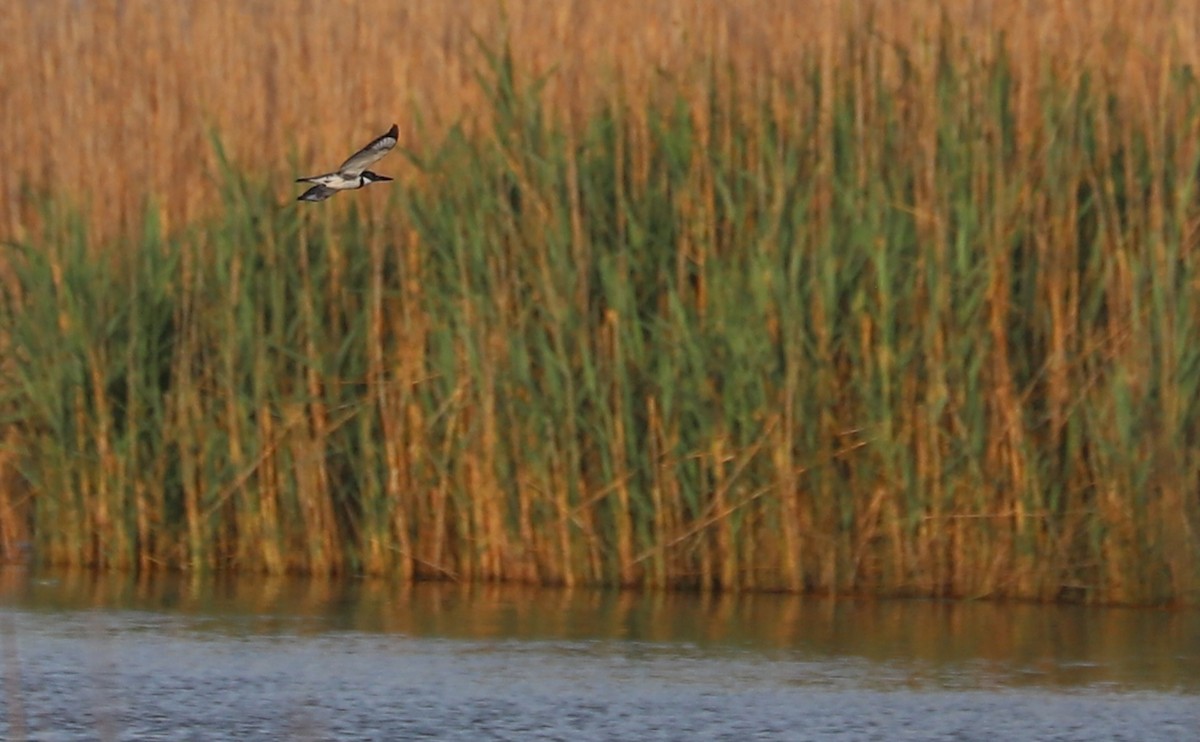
x=352 y=173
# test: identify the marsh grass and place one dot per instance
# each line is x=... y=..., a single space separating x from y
x=913 y=316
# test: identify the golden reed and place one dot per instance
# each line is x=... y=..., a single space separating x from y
x=109 y=103
x=111 y=107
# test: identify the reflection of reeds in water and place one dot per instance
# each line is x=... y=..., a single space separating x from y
x=897 y=304
x=1004 y=643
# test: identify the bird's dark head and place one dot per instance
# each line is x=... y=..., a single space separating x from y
x=370 y=177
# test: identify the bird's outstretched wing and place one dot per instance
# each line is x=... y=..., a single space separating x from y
x=362 y=159
x=317 y=193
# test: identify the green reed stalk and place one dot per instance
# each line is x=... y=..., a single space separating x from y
x=901 y=326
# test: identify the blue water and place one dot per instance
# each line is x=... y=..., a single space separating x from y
x=388 y=664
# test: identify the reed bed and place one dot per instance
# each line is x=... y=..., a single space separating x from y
x=822 y=297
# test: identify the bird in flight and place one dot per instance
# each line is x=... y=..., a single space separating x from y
x=352 y=173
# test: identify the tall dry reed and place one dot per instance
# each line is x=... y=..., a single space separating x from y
x=110 y=103
x=805 y=296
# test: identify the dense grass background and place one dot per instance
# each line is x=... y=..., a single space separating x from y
x=913 y=315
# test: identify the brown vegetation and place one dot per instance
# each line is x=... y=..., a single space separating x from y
x=110 y=103
x=830 y=296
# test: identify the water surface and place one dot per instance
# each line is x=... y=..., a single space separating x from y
x=88 y=657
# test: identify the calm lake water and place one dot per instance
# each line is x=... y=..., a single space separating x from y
x=106 y=658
